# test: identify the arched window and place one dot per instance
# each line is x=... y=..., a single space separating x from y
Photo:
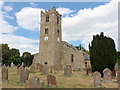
x=46 y=31
x=47 y=18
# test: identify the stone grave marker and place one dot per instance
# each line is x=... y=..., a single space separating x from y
x=12 y=65
x=23 y=76
x=45 y=69
x=34 y=83
x=107 y=75
x=27 y=74
x=51 y=81
x=68 y=71
x=97 y=79
x=4 y=73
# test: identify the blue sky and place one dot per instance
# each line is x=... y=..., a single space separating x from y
x=22 y=21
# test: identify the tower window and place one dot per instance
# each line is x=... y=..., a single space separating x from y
x=46 y=63
x=72 y=58
x=46 y=31
x=58 y=33
x=47 y=18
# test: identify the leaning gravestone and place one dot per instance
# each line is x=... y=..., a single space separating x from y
x=68 y=71
x=4 y=73
x=97 y=79
x=45 y=69
x=51 y=81
x=107 y=75
x=34 y=83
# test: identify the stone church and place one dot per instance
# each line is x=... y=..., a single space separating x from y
x=53 y=51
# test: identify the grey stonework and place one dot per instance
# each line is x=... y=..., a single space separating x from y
x=53 y=51
x=4 y=73
x=34 y=83
x=51 y=81
x=68 y=71
x=97 y=79
x=107 y=75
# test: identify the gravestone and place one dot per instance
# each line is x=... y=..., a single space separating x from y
x=4 y=73
x=23 y=76
x=68 y=71
x=51 y=81
x=41 y=67
x=107 y=75
x=27 y=74
x=34 y=83
x=97 y=79
x=32 y=68
x=21 y=68
x=45 y=69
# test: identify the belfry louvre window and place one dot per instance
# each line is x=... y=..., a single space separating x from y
x=46 y=31
x=47 y=18
x=58 y=33
x=72 y=58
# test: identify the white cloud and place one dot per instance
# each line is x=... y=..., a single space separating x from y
x=64 y=11
x=89 y=22
x=7 y=8
x=5 y=27
x=29 y=18
x=33 y=4
x=22 y=43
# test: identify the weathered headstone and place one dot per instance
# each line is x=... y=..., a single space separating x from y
x=23 y=76
x=19 y=70
x=107 y=75
x=4 y=73
x=32 y=68
x=45 y=69
x=51 y=81
x=34 y=83
x=118 y=79
x=97 y=79
x=68 y=71
x=27 y=74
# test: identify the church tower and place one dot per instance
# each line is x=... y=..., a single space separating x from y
x=50 y=38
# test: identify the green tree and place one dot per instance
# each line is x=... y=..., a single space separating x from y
x=5 y=54
x=14 y=52
x=27 y=58
x=102 y=53
x=118 y=60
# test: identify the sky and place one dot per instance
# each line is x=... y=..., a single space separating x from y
x=20 y=22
